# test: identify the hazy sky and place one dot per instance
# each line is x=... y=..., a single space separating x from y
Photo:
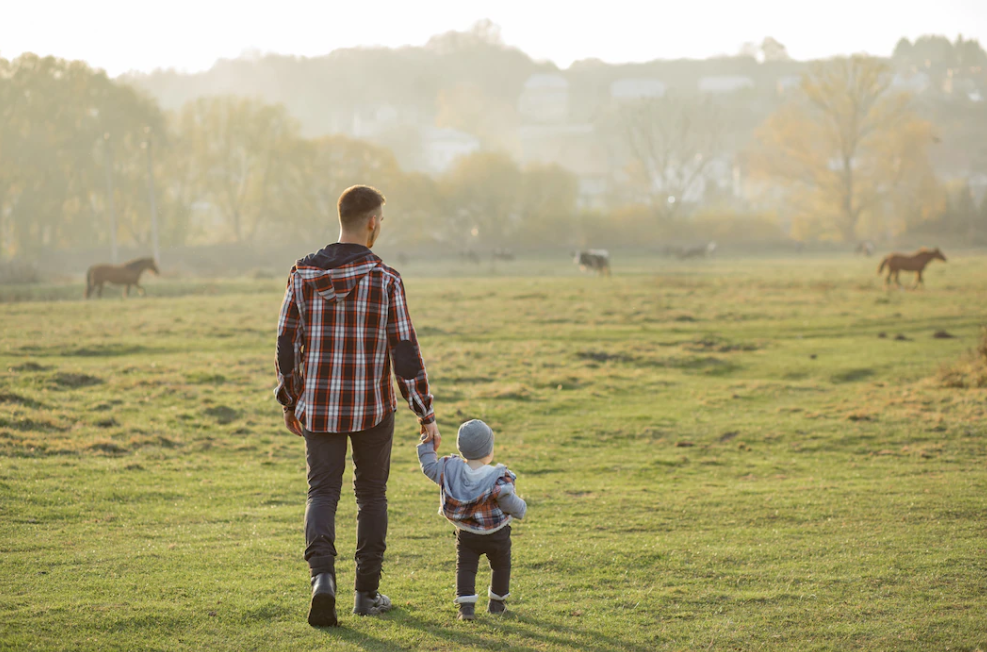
x=121 y=35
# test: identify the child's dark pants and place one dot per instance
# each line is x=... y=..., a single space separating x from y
x=497 y=548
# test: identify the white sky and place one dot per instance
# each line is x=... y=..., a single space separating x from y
x=122 y=35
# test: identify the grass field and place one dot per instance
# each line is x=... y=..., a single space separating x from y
x=715 y=455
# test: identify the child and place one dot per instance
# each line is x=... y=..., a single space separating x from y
x=479 y=499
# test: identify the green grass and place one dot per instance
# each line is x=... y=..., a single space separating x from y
x=716 y=455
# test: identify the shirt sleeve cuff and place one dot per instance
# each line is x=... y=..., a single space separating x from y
x=427 y=419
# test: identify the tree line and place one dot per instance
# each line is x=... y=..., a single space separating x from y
x=89 y=162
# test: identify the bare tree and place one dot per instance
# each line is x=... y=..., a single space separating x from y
x=671 y=142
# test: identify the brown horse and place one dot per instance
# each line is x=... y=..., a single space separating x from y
x=916 y=262
x=127 y=274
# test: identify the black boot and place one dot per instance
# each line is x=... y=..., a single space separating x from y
x=323 y=610
x=370 y=603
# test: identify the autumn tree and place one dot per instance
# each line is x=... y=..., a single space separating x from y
x=548 y=204
x=69 y=136
x=848 y=150
x=481 y=193
x=313 y=173
x=238 y=145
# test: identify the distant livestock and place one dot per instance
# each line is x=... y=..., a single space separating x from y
x=866 y=248
x=916 y=262
x=127 y=274
x=701 y=251
x=597 y=260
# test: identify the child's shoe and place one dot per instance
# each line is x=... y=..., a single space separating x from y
x=467 y=612
x=467 y=606
x=496 y=606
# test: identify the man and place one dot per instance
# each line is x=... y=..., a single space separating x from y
x=344 y=323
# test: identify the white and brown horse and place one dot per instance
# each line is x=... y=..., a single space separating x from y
x=916 y=262
x=127 y=274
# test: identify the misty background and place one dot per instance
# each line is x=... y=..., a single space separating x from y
x=480 y=148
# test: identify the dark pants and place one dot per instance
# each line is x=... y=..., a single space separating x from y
x=497 y=548
x=325 y=457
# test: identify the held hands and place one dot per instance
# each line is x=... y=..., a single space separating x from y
x=292 y=424
x=430 y=433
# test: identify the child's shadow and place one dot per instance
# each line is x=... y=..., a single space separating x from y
x=487 y=633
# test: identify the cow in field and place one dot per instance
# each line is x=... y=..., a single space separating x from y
x=702 y=251
x=597 y=260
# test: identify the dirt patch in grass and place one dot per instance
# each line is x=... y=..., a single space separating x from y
x=29 y=367
x=206 y=379
x=222 y=414
x=429 y=331
x=720 y=345
x=603 y=356
x=706 y=363
x=943 y=335
x=852 y=375
x=468 y=380
x=106 y=351
x=107 y=447
x=75 y=381
x=30 y=425
x=87 y=351
x=512 y=392
x=17 y=399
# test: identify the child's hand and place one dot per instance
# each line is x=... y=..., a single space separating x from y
x=430 y=432
x=424 y=439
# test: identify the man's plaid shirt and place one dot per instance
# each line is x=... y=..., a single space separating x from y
x=339 y=331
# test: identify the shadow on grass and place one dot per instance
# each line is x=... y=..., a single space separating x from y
x=92 y=351
x=489 y=633
x=852 y=375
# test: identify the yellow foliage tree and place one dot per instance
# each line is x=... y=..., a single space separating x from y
x=849 y=153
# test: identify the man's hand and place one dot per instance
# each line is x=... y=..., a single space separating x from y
x=430 y=433
x=292 y=424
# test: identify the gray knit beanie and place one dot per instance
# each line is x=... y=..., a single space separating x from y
x=475 y=440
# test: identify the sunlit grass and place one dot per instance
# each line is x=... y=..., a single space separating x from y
x=725 y=454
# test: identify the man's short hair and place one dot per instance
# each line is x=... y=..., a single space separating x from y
x=357 y=203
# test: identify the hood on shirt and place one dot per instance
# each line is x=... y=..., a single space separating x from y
x=336 y=269
x=467 y=486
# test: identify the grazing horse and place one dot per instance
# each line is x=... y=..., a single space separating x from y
x=916 y=262
x=127 y=274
